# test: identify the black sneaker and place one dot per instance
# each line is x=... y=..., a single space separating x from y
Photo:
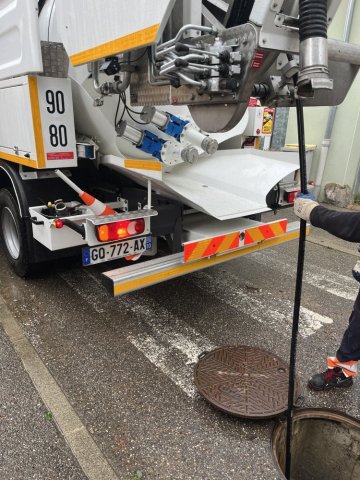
x=332 y=378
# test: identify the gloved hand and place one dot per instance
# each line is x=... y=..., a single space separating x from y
x=304 y=204
x=308 y=196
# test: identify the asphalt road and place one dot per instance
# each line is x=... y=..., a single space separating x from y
x=126 y=364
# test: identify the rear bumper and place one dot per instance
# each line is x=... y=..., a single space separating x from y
x=135 y=277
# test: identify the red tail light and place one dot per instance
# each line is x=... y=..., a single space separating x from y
x=58 y=223
x=120 y=230
x=290 y=197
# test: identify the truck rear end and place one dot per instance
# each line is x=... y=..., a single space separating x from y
x=122 y=131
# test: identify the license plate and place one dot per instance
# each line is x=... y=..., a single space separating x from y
x=111 y=251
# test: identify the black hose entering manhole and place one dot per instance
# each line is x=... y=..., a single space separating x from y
x=325 y=446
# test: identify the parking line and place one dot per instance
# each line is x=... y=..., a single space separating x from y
x=92 y=461
x=159 y=356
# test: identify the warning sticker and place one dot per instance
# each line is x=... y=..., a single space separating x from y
x=60 y=156
x=258 y=60
x=268 y=121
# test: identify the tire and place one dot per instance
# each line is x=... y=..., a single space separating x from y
x=13 y=237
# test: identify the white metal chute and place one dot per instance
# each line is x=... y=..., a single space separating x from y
x=230 y=184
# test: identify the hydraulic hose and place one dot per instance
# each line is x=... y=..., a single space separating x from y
x=312 y=19
x=298 y=289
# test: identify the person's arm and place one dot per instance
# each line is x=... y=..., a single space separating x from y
x=345 y=225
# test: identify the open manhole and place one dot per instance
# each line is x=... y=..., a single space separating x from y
x=244 y=381
x=325 y=446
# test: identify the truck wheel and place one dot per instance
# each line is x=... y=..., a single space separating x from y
x=13 y=236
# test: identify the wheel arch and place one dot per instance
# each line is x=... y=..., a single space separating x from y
x=10 y=178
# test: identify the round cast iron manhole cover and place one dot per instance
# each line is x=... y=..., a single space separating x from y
x=244 y=381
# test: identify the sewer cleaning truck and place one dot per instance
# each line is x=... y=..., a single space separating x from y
x=122 y=126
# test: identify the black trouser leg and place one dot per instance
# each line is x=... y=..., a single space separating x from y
x=350 y=345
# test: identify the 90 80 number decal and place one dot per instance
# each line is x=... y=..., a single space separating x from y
x=56 y=106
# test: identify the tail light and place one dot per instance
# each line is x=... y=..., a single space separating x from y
x=58 y=223
x=290 y=196
x=120 y=230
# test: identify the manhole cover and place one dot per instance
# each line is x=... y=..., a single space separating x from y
x=244 y=381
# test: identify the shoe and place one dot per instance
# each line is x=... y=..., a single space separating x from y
x=332 y=378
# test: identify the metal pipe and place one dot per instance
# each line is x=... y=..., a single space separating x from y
x=314 y=69
x=190 y=81
x=182 y=30
x=149 y=194
x=154 y=79
x=95 y=74
x=122 y=85
x=344 y=52
x=108 y=87
x=338 y=51
x=204 y=67
x=186 y=58
x=191 y=48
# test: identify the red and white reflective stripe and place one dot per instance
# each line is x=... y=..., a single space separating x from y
x=211 y=246
x=225 y=243
x=263 y=232
x=350 y=368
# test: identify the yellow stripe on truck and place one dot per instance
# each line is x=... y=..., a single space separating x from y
x=143 y=165
x=35 y=110
x=141 y=38
x=27 y=162
x=192 y=267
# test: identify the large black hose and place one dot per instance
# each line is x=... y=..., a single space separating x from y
x=298 y=291
x=313 y=19
x=238 y=13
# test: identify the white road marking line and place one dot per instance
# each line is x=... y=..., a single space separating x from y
x=172 y=333
x=339 y=285
x=90 y=457
x=160 y=356
x=274 y=312
x=175 y=331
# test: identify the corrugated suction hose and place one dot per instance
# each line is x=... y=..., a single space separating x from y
x=313 y=19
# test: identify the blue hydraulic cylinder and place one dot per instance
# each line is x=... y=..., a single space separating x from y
x=166 y=122
x=151 y=144
x=175 y=127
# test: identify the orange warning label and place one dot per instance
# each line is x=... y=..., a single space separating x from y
x=211 y=246
x=265 y=232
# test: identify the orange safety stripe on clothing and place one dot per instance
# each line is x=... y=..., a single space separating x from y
x=265 y=232
x=349 y=368
x=212 y=246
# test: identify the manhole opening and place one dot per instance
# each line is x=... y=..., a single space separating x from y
x=325 y=445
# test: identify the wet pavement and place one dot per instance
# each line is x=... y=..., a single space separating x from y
x=126 y=364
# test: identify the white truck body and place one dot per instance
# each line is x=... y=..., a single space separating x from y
x=73 y=84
